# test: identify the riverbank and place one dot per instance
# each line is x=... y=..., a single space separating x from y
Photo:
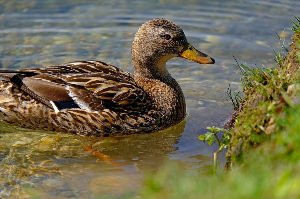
x=263 y=150
x=271 y=101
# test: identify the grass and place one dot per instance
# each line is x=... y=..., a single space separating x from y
x=264 y=144
x=265 y=95
x=296 y=25
x=268 y=92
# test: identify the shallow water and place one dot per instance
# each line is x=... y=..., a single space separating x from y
x=42 y=33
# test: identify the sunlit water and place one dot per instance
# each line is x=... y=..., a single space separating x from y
x=42 y=33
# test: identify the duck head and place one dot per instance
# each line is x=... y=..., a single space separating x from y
x=159 y=40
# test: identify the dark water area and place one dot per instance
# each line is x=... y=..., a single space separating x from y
x=41 y=33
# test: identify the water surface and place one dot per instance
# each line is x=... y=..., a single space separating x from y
x=42 y=33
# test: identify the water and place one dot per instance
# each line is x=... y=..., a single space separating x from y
x=42 y=33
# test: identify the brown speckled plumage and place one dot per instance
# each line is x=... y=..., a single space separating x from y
x=95 y=98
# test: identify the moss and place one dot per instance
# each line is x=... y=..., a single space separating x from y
x=266 y=98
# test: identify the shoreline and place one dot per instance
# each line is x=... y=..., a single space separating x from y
x=268 y=93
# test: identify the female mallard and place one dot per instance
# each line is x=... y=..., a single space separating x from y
x=95 y=98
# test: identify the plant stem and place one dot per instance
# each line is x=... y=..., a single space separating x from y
x=217 y=138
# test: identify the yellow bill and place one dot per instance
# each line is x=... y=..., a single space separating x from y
x=191 y=53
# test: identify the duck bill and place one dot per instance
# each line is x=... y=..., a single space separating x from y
x=191 y=53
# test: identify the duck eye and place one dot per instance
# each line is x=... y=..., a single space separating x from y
x=166 y=36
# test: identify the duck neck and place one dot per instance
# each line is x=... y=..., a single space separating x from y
x=167 y=96
x=151 y=68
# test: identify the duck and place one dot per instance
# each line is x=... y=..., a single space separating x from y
x=93 y=98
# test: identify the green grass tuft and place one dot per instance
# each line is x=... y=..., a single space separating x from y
x=296 y=25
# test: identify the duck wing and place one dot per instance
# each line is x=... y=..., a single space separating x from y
x=88 y=85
